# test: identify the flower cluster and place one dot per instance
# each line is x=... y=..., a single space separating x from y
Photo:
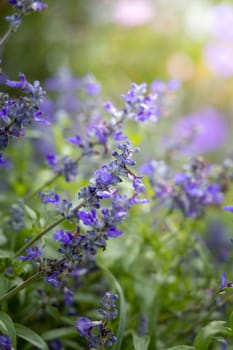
x=140 y=105
x=17 y=216
x=98 y=223
x=23 y=7
x=27 y=6
x=189 y=191
x=65 y=166
x=98 y=335
x=16 y=114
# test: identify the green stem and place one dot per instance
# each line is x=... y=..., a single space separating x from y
x=47 y=183
x=17 y=289
x=6 y=36
x=41 y=234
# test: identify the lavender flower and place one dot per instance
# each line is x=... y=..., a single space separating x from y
x=56 y=344
x=108 y=310
x=27 y=6
x=5 y=342
x=84 y=326
x=200 y=133
x=34 y=90
x=68 y=296
x=33 y=254
x=17 y=216
x=189 y=191
x=16 y=114
x=15 y=20
x=49 y=197
x=64 y=207
x=97 y=333
x=65 y=166
x=65 y=237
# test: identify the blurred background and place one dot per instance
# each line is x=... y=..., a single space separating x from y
x=122 y=41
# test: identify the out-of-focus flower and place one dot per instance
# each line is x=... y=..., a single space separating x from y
x=222 y=22
x=202 y=132
x=218 y=56
x=218 y=53
x=218 y=241
x=180 y=66
x=128 y=13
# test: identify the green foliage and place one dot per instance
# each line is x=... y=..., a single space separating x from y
x=140 y=342
x=210 y=333
x=7 y=327
x=30 y=336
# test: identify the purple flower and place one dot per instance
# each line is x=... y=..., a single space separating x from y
x=51 y=159
x=91 y=86
x=104 y=176
x=77 y=140
x=228 y=208
x=65 y=166
x=14 y=20
x=22 y=84
x=148 y=168
x=49 y=197
x=181 y=178
x=113 y=232
x=38 y=6
x=56 y=344
x=108 y=311
x=88 y=218
x=64 y=207
x=118 y=136
x=143 y=326
x=138 y=185
x=63 y=81
x=2 y=160
x=202 y=132
x=223 y=281
x=84 y=326
x=53 y=279
x=5 y=343
x=33 y=254
x=217 y=241
x=34 y=90
x=65 y=237
x=68 y=296
x=27 y=6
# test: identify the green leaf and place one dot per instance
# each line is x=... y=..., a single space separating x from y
x=59 y=333
x=122 y=313
x=209 y=333
x=50 y=248
x=31 y=213
x=7 y=327
x=182 y=347
x=5 y=254
x=231 y=320
x=4 y=284
x=140 y=342
x=3 y=239
x=30 y=336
